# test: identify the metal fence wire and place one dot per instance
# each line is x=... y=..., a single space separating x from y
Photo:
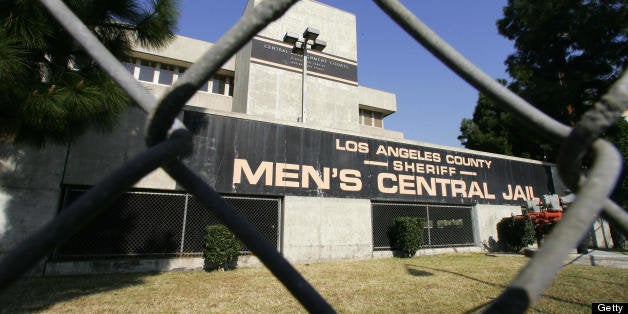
x=169 y=141
x=160 y=224
x=445 y=225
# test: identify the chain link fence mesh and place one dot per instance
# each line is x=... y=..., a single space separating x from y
x=263 y=213
x=445 y=225
x=450 y=226
x=169 y=141
x=160 y=224
x=135 y=224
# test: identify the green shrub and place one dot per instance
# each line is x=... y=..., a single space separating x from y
x=222 y=248
x=406 y=234
x=515 y=234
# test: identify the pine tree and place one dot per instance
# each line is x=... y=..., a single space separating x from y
x=50 y=89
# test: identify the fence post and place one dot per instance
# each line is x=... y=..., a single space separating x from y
x=428 y=226
x=185 y=215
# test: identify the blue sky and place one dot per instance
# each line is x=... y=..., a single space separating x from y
x=431 y=99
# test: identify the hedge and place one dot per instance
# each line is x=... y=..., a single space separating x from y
x=222 y=248
x=406 y=234
x=515 y=233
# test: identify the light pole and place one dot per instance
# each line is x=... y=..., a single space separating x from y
x=301 y=46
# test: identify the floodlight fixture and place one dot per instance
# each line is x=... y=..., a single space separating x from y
x=290 y=38
x=311 y=33
x=319 y=45
x=299 y=47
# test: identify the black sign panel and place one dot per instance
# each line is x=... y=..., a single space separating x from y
x=274 y=54
x=252 y=157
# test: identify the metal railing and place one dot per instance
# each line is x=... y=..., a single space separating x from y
x=169 y=142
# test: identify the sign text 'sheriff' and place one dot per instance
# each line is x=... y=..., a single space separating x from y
x=252 y=157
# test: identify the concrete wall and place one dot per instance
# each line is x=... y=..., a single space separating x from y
x=182 y=48
x=241 y=79
x=337 y=27
x=331 y=104
x=313 y=228
x=487 y=217
x=276 y=93
x=269 y=92
x=316 y=229
x=200 y=99
x=94 y=155
x=29 y=190
x=380 y=132
x=379 y=100
x=273 y=93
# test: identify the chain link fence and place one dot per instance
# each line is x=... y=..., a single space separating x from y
x=169 y=141
x=161 y=224
x=445 y=225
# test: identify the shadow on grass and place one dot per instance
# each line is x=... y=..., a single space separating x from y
x=488 y=283
x=412 y=270
x=621 y=284
x=39 y=294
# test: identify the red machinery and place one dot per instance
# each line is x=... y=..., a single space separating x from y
x=547 y=211
x=544 y=212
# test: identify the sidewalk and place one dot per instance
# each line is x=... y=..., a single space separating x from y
x=599 y=258
x=593 y=258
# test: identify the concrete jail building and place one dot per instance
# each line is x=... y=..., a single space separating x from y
x=303 y=153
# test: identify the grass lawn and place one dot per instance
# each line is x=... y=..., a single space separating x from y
x=434 y=284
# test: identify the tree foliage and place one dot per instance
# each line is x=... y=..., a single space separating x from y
x=488 y=130
x=567 y=55
x=222 y=248
x=618 y=135
x=406 y=234
x=515 y=233
x=493 y=129
x=50 y=89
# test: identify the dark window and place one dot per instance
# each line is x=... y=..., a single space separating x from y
x=129 y=65
x=218 y=84
x=204 y=87
x=147 y=71
x=166 y=74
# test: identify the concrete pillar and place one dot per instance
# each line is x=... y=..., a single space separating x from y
x=316 y=228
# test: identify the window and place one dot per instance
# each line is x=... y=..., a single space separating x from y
x=147 y=71
x=166 y=74
x=218 y=84
x=371 y=118
x=181 y=72
x=129 y=64
x=203 y=88
x=378 y=119
x=221 y=84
